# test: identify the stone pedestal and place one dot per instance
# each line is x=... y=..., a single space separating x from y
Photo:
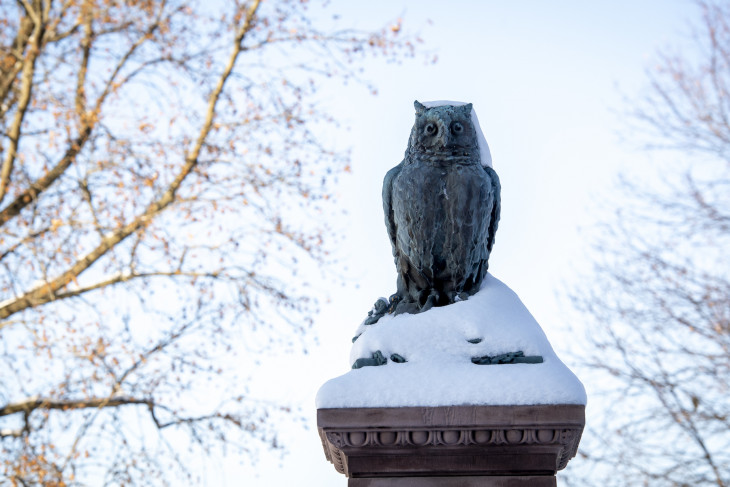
x=459 y=446
x=394 y=424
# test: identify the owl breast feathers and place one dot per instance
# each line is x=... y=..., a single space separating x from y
x=441 y=211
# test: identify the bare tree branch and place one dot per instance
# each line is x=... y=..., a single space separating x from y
x=47 y=292
x=28 y=71
x=32 y=404
x=86 y=16
x=659 y=311
x=88 y=124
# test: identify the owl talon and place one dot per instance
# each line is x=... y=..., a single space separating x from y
x=379 y=309
x=430 y=303
x=394 y=300
x=409 y=307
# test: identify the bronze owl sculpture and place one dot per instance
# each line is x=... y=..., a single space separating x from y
x=442 y=207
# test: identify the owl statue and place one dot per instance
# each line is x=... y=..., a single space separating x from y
x=442 y=205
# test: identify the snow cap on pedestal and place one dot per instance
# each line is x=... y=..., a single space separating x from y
x=438 y=346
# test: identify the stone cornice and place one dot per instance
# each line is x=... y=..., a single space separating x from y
x=484 y=440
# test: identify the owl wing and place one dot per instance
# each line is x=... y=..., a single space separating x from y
x=496 y=206
x=388 y=204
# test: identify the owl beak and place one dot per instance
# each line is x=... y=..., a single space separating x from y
x=451 y=147
x=444 y=136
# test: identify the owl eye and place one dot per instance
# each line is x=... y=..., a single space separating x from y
x=430 y=129
x=457 y=128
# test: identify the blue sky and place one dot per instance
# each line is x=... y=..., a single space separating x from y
x=549 y=82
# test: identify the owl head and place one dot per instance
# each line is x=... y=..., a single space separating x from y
x=445 y=133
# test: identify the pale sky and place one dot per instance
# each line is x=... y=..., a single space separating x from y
x=547 y=80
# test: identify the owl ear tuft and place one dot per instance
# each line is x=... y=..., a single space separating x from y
x=467 y=108
x=420 y=107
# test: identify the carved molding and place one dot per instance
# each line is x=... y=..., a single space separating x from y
x=567 y=438
x=520 y=437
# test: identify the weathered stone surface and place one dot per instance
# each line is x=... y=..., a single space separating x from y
x=467 y=441
x=501 y=481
